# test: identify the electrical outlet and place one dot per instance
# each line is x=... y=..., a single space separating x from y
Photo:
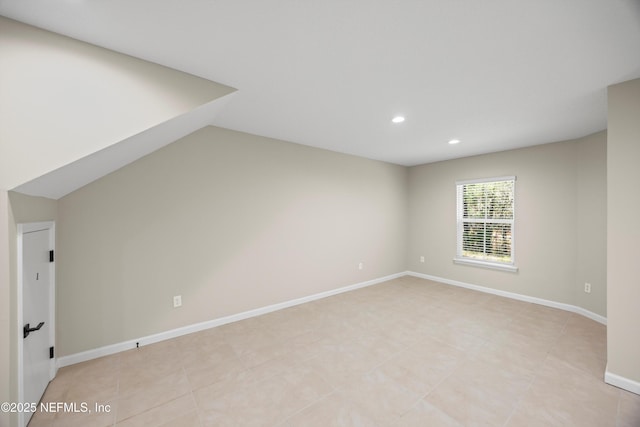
x=587 y=288
x=421 y=259
x=177 y=301
x=361 y=266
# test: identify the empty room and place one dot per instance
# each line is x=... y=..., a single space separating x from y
x=413 y=213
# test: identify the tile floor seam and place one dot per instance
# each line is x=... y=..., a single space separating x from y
x=195 y=404
x=564 y=325
x=618 y=415
x=516 y=406
x=581 y=369
x=148 y=409
x=287 y=418
x=438 y=383
x=116 y=421
x=384 y=361
x=485 y=343
x=416 y=403
x=117 y=396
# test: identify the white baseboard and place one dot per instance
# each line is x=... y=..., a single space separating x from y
x=621 y=382
x=567 y=307
x=173 y=333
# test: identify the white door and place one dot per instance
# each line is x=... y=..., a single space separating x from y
x=37 y=329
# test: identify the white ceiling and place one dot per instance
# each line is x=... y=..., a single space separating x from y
x=497 y=74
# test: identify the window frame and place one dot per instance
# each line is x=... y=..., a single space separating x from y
x=460 y=220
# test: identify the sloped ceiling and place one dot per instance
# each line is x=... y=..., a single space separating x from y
x=63 y=100
x=62 y=181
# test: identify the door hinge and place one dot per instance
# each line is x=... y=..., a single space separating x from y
x=50 y=352
x=50 y=255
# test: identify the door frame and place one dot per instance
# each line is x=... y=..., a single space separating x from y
x=22 y=230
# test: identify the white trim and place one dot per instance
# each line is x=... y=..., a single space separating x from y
x=173 y=333
x=22 y=230
x=562 y=306
x=621 y=382
x=482 y=180
x=486 y=264
x=150 y=339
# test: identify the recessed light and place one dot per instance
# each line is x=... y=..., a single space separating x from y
x=398 y=119
x=454 y=141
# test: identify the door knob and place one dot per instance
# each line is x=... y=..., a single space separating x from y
x=27 y=330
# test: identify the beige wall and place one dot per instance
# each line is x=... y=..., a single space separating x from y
x=231 y=222
x=553 y=182
x=5 y=307
x=591 y=223
x=623 y=266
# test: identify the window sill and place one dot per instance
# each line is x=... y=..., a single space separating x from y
x=486 y=264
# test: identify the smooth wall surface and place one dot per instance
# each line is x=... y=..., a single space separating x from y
x=5 y=307
x=32 y=209
x=623 y=266
x=553 y=182
x=229 y=221
x=63 y=99
x=591 y=223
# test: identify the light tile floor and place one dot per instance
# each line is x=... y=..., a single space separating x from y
x=408 y=352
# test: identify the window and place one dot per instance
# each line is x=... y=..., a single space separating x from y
x=485 y=219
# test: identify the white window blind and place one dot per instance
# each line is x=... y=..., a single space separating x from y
x=485 y=222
